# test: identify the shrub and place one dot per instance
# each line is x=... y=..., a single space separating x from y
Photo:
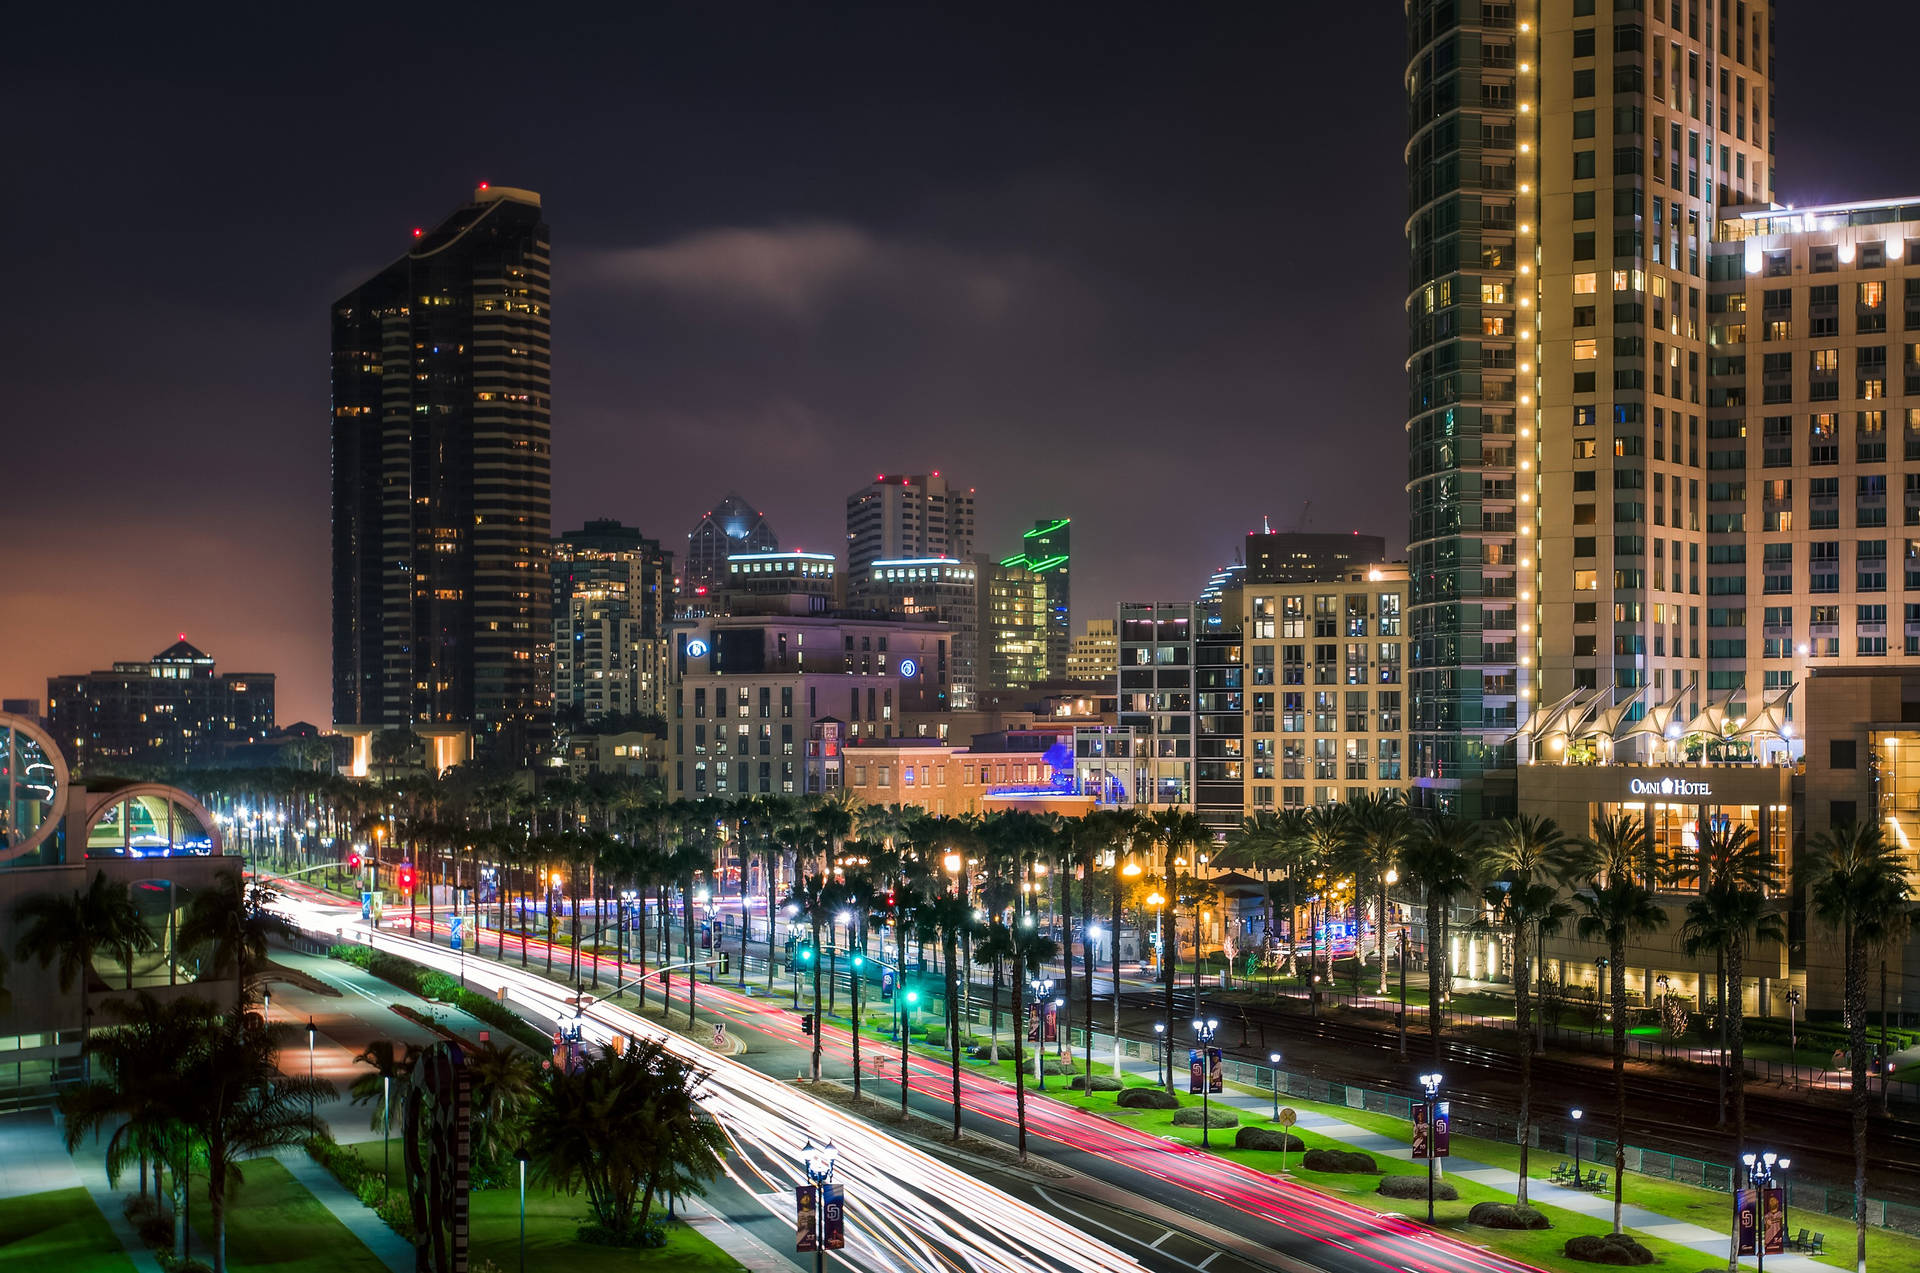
x=1267 y=1138
x=1057 y=1069
x=1094 y=1082
x=174 y=1264
x=1506 y=1215
x=1416 y=1187
x=156 y=1231
x=1346 y=1161
x=1147 y=1098
x=648 y=1237
x=1214 y=1116
x=439 y=986
x=1607 y=1248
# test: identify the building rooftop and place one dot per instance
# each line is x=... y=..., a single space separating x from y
x=1825 y=216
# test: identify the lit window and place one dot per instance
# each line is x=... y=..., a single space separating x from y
x=1585 y=349
x=1585 y=284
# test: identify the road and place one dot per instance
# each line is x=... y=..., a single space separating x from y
x=933 y=1213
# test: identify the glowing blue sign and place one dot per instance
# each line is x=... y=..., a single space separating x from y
x=908 y=667
x=696 y=648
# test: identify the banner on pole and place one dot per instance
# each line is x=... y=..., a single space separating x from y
x=454 y=923
x=1747 y=1225
x=1052 y=1019
x=1773 y=1219
x=1422 y=1138
x=1442 y=1130
x=806 y=1224
x=833 y=1210
x=1216 y=1072
x=1196 y=1072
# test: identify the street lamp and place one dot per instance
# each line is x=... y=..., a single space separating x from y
x=1793 y=1035
x=1204 y=1031
x=1431 y=1084
x=520 y=1155
x=1760 y=1178
x=1273 y=1060
x=1160 y=1041
x=1156 y=901
x=1576 y=1112
x=1041 y=987
x=310 y=1029
x=1665 y=983
x=817 y=1162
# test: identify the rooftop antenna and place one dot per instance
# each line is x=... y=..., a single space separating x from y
x=1306 y=514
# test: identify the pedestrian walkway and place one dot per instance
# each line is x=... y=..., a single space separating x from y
x=748 y=1251
x=1539 y=1192
x=387 y=1246
x=33 y=1157
x=87 y=1167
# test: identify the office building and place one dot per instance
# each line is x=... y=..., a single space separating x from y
x=729 y=527
x=1095 y=656
x=780 y=583
x=1156 y=699
x=941 y=589
x=441 y=488
x=612 y=601
x=1559 y=154
x=1325 y=686
x=1013 y=626
x=1275 y=556
x=907 y=516
x=755 y=698
x=1219 y=716
x=1047 y=551
x=172 y=709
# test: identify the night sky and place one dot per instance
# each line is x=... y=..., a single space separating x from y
x=1140 y=266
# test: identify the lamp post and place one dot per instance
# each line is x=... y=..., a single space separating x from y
x=1403 y=987
x=1665 y=983
x=1130 y=870
x=1042 y=988
x=1159 y=956
x=817 y=1162
x=1204 y=1031
x=1273 y=1060
x=1160 y=1041
x=1793 y=1034
x=1431 y=1084
x=310 y=1032
x=520 y=1155
x=1576 y=1112
x=1760 y=1178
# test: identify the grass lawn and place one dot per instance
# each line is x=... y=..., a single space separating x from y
x=274 y=1223
x=58 y=1232
x=552 y=1218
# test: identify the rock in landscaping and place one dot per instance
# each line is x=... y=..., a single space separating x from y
x=1267 y=1138
x=1416 y=1187
x=1349 y=1161
x=1147 y=1098
x=1607 y=1248
x=1100 y=1083
x=1214 y=1117
x=1506 y=1215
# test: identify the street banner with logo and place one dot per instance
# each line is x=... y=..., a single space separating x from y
x=454 y=924
x=806 y=1223
x=366 y=908
x=834 y=1209
x=1422 y=1132
x=1773 y=1219
x=1033 y=1023
x=1052 y=1018
x=1216 y=1072
x=1442 y=1130
x=1196 y=1071
x=1747 y=1221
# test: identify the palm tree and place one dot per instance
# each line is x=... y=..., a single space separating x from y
x=1292 y=851
x=1737 y=874
x=1255 y=845
x=953 y=918
x=1527 y=912
x=504 y=1076
x=1324 y=841
x=1439 y=860
x=1857 y=883
x=1031 y=951
x=70 y=930
x=235 y=920
x=994 y=945
x=1380 y=829
x=814 y=900
x=1177 y=831
x=1616 y=908
x=391 y=1064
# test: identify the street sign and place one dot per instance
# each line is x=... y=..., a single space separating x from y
x=719 y=1034
x=1288 y=1117
x=806 y=1224
x=833 y=1212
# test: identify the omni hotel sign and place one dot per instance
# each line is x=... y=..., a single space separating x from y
x=1669 y=787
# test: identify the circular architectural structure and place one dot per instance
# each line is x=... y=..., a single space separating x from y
x=33 y=785
x=146 y=820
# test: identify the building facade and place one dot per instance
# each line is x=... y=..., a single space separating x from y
x=1276 y=556
x=1013 y=621
x=172 y=709
x=441 y=484
x=784 y=582
x=899 y=516
x=1095 y=656
x=612 y=601
x=1326 y=685
x=729 y=527
x=1541 y=132
x=944 y=590
x=1156 y=699
x=1047 y=550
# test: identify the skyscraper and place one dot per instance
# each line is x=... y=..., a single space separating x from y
x=729 y=527
x=1047 y=550
x=441 y=486
x=899 y=517
x=612 y=601
x=1557 y=155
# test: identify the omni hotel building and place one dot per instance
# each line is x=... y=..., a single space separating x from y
x=1662 y=457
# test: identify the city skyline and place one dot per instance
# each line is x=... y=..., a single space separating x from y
x=1156 y=280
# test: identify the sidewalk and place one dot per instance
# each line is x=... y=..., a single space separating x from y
x=1257 y=1109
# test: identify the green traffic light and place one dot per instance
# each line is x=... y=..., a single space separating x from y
x=913 y=996
x=859 y=961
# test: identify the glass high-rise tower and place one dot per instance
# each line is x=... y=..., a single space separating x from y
x=441 y=485
x=1566 y=161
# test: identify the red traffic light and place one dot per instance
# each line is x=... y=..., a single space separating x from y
x=353 y=861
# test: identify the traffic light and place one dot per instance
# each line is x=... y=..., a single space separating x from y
x=806 y=954
x=806 y=1023
x=353 y=861
x=406 y=878
x=859 y=962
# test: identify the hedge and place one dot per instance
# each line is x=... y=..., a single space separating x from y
x=441 y=988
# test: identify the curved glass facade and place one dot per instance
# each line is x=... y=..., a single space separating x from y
x=1470 y=194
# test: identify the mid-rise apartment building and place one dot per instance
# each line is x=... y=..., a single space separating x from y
x=1156 y=699
x=1326 y=684
x=1095 y=656
x=171 y=709
x=612 y=601
x=907 y=516
x=941 y=589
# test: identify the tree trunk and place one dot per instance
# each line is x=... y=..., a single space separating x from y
x=813 y=917
x=1617 y=965
x=1857 y=1040
x=1736 y=1069
x=1293 y=918
x=949 y=950
x=1380 y=933
x=1433 y=975
x=1066 y=947
x=1169 y=957
x=1086 y=963
x=1720 y=1070
x=1523 y=1016
x=1019 y=1054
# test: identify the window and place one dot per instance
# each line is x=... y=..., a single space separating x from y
x=1583 y=42
x=1583 y=166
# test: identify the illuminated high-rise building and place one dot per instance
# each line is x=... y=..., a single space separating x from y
x=612 y=602
x=1567 y=164
x=1047 y=550
x=441 y=487
x=729 y=527
x=902 y=517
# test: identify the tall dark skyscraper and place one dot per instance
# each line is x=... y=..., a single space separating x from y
x=442 y=487
x=1047 y=550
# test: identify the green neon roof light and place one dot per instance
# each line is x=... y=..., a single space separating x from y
x=1017 y=560
x=1047 y=530
x=1046 y=563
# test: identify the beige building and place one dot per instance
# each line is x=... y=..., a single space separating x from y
x=1095 y=656
x=942 y=779
x=1325 y=686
